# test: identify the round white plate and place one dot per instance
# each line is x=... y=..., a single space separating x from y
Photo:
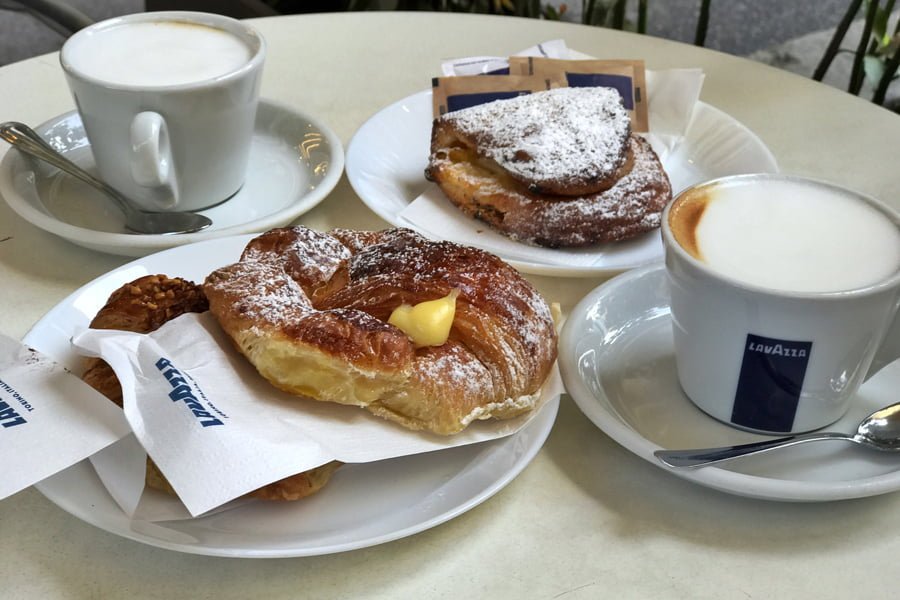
x=295 y=161
x=618 y=364
x=387 y=156
x=402 y=496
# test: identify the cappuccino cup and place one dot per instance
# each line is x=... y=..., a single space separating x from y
x=168 y=102
x=784 y=298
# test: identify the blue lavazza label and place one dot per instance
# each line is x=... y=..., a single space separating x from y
x=770 y=382
x=184 y=392
x=9 y=413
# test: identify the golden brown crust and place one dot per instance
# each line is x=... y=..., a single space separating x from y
x=144 y=305
x=326 y=337
x=632 y=206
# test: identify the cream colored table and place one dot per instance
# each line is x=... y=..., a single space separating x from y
x=586 y=519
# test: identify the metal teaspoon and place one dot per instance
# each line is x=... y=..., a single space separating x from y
x=880 y=430
x=138 y=221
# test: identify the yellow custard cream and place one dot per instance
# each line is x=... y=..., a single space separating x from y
x=427 y=323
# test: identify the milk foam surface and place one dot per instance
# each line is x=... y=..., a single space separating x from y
x=158 y=53
x=791 y=236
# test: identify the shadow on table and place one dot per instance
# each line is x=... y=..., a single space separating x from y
x=651 y=503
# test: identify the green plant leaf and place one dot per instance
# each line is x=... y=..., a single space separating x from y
x=874 y=68
x=879 y=25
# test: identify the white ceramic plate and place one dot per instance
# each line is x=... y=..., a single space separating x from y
x=617 y=362
x=387 y=156
x=295 y=161
x=402 y=496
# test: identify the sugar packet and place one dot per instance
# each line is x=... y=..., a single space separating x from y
x=449 y=94
x=49 y=418
x=499 y=65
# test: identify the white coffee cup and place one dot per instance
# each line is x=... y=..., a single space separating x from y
x=750 y=350
x=168 y=101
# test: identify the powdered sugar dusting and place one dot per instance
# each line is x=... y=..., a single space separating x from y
x=310 y=257
x=634 y=201
x=459 y=368
x=263 y=292
x=552 y=136
x=500 y=318
x=632 y=206
x=486 y=284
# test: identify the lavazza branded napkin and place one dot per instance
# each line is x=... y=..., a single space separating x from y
x=217 y=429
x=49 y=418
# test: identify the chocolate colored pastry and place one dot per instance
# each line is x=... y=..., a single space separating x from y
x=310 y=311
x=144 y=305
x=554 y=168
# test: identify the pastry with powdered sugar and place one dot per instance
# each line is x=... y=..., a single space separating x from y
x=559 y=168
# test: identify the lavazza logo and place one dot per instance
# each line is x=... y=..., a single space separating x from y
x=777 y=349
x=182 y=391
x=9 y=417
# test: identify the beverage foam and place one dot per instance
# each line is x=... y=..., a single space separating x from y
x=157 y=53
x=788 y=235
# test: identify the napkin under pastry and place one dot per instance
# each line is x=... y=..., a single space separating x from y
x=217 y=429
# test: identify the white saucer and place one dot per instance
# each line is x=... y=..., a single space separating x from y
x=295 y=161
x=402 y=496
x=617 y=363
x=387 y=156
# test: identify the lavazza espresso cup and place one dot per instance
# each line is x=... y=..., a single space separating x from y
x=784 y=296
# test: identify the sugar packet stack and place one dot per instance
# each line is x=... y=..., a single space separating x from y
x=49 y=418
x=671 y=97
x=217 y=430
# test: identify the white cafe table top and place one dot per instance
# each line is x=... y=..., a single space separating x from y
x=586 y=519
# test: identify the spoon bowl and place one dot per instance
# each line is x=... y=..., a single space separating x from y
x=28 y=141
x=879 y=431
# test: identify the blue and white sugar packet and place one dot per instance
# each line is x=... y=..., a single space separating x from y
x=49 y=418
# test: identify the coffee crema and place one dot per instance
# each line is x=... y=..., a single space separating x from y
x=787 y=235
x=157 y=53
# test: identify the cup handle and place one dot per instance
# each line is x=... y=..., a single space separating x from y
x=151 y=158
x=889 y=351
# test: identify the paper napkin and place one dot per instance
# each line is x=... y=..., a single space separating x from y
x=49 y=419
x=121 y=468
x=217 y=430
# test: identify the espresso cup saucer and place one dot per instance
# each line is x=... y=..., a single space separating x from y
x=617 y=360
x=295 y=162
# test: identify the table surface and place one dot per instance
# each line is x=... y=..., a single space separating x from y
x=586 y=518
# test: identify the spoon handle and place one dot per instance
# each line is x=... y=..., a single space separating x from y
x=699 y=457
x=27 y=140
